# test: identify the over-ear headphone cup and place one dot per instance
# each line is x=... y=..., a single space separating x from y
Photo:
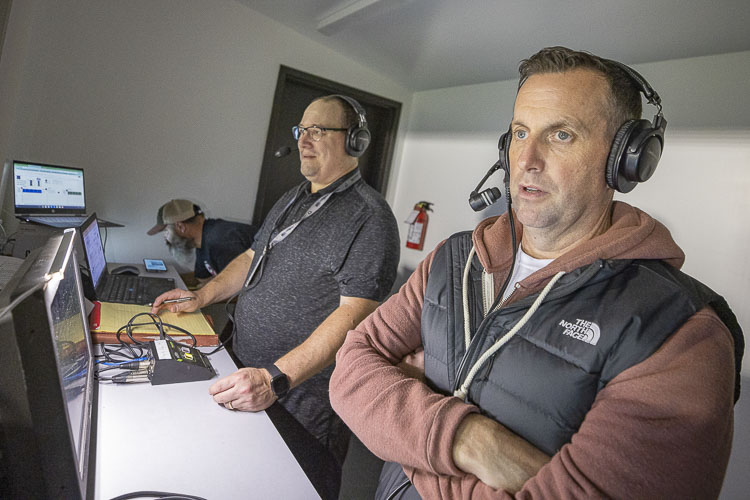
x=634 y=155
x=357 y=136
x=648 y=158
x=357 y=140
x=615 y=153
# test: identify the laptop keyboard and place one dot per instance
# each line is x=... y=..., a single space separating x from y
x=121 y=289
x=126 y=289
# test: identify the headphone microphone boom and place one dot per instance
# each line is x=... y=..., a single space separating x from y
x=285 y=150
x=479 y=200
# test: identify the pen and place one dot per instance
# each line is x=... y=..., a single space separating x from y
x=176 y=301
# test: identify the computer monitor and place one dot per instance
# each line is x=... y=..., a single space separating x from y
x=48 y=390
x=93 y=249
x=43 y=189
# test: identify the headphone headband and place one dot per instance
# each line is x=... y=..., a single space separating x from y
x=648 y=92
x=360 y=112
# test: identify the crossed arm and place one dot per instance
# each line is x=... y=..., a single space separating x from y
x=655 y=431
x=421 y=424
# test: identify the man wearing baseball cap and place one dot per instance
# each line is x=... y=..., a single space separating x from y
x=216 y=241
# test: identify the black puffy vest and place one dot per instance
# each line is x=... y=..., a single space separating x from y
x=596 y=322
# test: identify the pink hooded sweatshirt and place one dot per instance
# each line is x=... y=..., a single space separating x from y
x=661 y=429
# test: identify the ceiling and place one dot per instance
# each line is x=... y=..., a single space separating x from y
x=428 y=44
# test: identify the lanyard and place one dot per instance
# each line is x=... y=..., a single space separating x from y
x=284 y=233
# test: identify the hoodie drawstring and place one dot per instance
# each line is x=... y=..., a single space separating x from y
x=462 y=391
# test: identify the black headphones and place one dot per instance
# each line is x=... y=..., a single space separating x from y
x=633 y=156
x=638 y=144
x=357 y=136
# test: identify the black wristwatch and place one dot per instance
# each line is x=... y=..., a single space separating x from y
x=279 y=381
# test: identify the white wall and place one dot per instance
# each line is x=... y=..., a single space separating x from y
x=155 y=100
x=699 y=189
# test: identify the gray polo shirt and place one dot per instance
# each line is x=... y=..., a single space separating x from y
x=349 y=247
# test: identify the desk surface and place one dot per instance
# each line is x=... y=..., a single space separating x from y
x=175 y=438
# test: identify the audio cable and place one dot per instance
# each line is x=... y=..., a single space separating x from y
x=132 y=359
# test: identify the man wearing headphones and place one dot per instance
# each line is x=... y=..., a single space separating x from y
x=325 y=256
x=580 y=363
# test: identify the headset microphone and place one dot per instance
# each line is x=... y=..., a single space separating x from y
x=482 y=200
x=283 y=151
x=479 y=200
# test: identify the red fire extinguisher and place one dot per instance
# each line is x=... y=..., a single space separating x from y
x=418 y=225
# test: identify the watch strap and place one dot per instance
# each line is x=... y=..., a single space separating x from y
x=273 y=370
x=278 y=376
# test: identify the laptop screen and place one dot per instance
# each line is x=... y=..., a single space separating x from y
x=48 y=390
x=41 y=189
x=92 y=245
x=67 y=317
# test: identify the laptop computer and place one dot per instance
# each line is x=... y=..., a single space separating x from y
x=120 y=288
x=52 y=195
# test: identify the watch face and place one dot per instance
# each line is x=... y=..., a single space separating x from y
x=280 y=384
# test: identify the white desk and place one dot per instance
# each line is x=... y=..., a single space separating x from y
x=175 y=438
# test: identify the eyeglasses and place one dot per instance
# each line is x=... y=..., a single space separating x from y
x=315 y=131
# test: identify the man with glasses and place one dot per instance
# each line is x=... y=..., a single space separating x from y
x=325 y=256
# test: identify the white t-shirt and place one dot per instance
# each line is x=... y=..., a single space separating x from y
x=525 y=265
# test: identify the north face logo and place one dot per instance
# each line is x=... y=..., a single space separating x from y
x=586 y=331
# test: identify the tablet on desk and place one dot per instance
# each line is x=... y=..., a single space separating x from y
x=155 y=265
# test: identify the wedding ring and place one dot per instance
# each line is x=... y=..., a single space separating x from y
x=229 y=405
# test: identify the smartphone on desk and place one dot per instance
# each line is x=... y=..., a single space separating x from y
x=155 y=265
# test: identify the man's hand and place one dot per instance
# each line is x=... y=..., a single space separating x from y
x=247 y=389
x=496 y=456
x=413 y=364
x=187 y=306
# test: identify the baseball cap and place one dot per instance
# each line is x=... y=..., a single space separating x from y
x=174 y=211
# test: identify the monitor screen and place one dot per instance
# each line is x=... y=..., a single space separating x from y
x=48 y=189
x=68 y=326
x=92 y=245
x=47 y=369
